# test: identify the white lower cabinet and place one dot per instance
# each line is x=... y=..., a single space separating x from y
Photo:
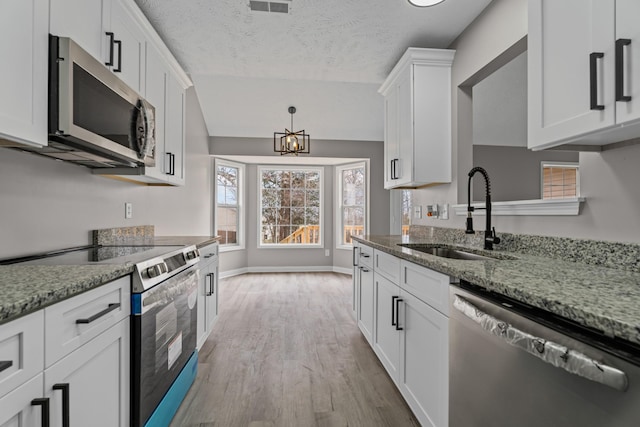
x=410 y=333
x=365 y=302
x=424 y=360
x=17 y=408
x=386 y=332
x=95 y=381
x=207 y=292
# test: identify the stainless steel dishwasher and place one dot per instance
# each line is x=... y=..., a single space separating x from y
x=511 y=364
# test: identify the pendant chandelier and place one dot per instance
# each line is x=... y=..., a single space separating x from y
x=291 y=142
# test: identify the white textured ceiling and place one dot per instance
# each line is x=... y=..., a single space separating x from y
x=331 y=40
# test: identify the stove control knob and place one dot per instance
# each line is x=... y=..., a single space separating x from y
x=155 y=271
x=192 y=254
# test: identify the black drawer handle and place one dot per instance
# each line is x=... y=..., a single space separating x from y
x=593 y=79
x=100 y=314
x=209 y=255
x=364 y=270
x=398 y=327
x=111 y=43
x=620 y=44
x=44 y=403
x=363 y=255
x=119 y=69
x=65 y=402
x=5 y=364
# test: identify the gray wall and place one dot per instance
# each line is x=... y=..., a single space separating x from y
x=378 y=202
x=514 y=171
x=47 y=204
x=608 y=179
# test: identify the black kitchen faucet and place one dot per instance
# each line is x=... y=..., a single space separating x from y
x=490 y=237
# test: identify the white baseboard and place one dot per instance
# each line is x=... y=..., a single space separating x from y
x=291 y=269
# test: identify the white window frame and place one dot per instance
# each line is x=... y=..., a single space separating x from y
x=240 y=237
x=339 y=199
x=551 y=164
x=289 y=167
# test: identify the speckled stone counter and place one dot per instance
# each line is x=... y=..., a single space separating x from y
x=25 y=289
x=199 y=241
x=606 y=299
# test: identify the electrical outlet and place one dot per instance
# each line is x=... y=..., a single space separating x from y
x=417 y=212
x=128 y=210
x=327 y=252
x=444 y=211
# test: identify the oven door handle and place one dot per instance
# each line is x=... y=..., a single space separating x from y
x=555 y=354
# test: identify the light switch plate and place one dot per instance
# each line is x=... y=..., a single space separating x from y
x=444 y=211
x=128 y=210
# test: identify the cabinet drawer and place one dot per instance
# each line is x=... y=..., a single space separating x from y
x=387 y=265
x=208 y=251
x=21 y=350
x=427 y=285
x=366 y=256
x=73 y=322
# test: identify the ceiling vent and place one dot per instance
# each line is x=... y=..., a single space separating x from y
x=269 y=6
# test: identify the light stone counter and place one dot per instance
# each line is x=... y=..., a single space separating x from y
x=606 y=299
x=25 y=289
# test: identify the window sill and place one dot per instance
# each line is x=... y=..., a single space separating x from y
x=283 y=246
x=527 y=207
x=231 y=248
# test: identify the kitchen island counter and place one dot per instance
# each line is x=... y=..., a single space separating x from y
x=602 y=298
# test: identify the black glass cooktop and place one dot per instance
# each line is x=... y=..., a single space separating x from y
x=93 y=254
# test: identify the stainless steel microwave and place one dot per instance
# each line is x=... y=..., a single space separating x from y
x=95 y=119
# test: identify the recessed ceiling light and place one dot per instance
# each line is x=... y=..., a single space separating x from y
x=425 y=3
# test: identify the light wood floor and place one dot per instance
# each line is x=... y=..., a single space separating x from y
x=285 y=351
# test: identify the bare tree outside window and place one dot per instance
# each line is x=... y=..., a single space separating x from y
x=406 y=211
x=290 y=206
x=227 y=206
x=353 y=202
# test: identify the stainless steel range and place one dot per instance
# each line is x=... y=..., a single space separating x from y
x=163 y=320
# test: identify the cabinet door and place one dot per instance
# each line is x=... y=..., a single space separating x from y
x=391 y=149
x=366 y=303
x=174 y=130
x=129 y=53
x=24 y=50
x=404 y=167
x=212 y=297
x=562 y=36
x=16 y=409
x=97 y=375
x=156 y=93
x=424 y=361
x=81 y=20
x=386 y=335
x=627 y=12
x=355 y=280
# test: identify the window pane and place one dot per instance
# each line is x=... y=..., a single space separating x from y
x=220 y=194
x=284 y=197
x=297 y=216
x=269 y=198
x=297 y=179
x=312 y=216
x=313 y=198
x=313 y=180
x=297 y=198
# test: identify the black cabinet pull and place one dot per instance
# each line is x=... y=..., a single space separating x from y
x=65 y=402
x=620 y=44
x=364 y=269
x=398 y=327
x=173 y=164
x=364 y=255
x=111 y=42
x=593 y=79
x=394 y=322
x=394 y=169
x=44 y=403
x=211 y=290
x=354 y=262
x=99 y=315
x=119 y=69
x=5 y=364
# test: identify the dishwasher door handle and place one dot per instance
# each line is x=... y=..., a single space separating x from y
x=555 y=354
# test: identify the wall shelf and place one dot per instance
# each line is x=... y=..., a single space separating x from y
x=527 y=207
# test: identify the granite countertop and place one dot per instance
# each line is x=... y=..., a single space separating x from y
x=606 y=299
x=199 y=241
x=27 y=288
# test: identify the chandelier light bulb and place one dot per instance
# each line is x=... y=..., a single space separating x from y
x=425 y=3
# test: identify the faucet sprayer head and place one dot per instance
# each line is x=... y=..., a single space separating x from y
x=469 y=229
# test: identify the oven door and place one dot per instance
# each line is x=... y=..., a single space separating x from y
x=164 y=332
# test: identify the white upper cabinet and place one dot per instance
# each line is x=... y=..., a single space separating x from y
x=155 y=93
x=83 y=21
x=583 y=72
x=24 y=49
x=174 y=132
x=129 y=45
x=418 y=119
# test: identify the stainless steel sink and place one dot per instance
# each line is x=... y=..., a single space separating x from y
x=454 y=253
